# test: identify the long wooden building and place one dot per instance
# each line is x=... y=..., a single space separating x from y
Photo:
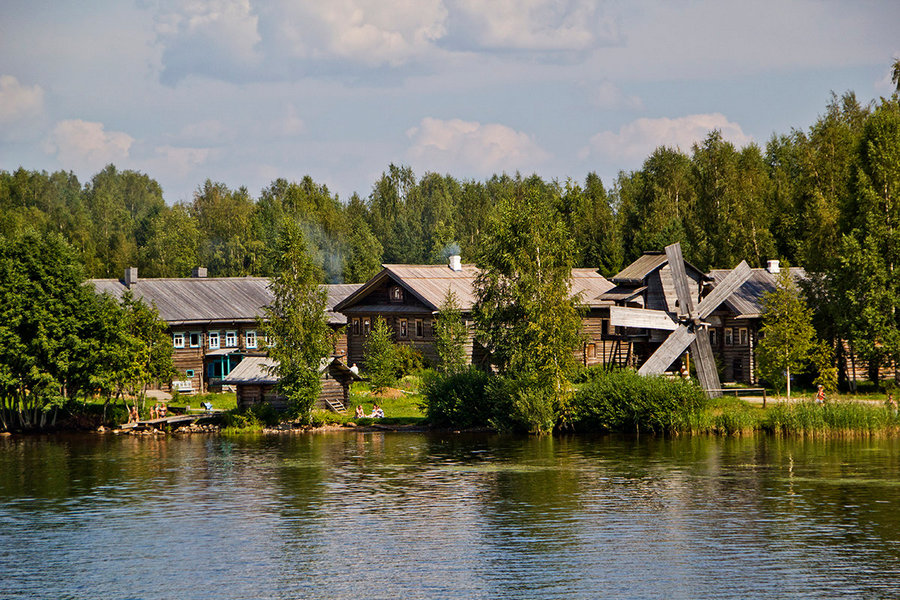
x=213 y=321
x=409 y=298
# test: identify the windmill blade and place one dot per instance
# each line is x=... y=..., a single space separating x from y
x=642 y=318
x=728 y=286
x=705 y=365
x=677 y=342
x=680 y=279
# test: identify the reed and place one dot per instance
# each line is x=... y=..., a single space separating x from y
x=838 y=419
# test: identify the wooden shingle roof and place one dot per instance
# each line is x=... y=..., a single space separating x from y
x=746 y=302
x=637 y=272
x=212 y=299
x=430 y=283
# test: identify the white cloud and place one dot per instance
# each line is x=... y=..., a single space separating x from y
x=638 y=139
x=445 y=146
x=538 y=25
x=371 y=32
x=207 y=37
x=19 y=101
x=609 y=96
x=178 y=162
x=85 y=147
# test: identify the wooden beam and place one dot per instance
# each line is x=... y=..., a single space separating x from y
x=724 y=289
x=680 y=279
x=705 y=364
x=677 y=342
x=641 y=318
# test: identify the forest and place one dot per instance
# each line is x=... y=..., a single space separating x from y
x=826 y=198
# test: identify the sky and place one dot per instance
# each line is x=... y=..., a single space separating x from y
x=247 y=91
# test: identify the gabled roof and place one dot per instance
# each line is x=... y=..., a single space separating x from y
x=209 y=299
x=746 y=301
x=258 y=370
x=253 y=369
x=591 y=285
x=429 y=283
x=637 y=272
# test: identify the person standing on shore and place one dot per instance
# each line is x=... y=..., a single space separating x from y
x=820 y=395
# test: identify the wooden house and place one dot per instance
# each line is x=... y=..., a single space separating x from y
x=645 y=283
x=254 y=383
x=213 y=321
x=409 y=297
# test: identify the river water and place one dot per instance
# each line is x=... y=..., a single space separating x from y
x=395 y=515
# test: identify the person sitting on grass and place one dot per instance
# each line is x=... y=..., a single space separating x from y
x=377 y=413
x=360 y=413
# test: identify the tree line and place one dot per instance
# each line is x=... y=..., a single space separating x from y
x=825 y=198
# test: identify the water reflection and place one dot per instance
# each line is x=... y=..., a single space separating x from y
x=457 y=516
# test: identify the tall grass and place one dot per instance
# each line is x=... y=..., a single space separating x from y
x=836 y=419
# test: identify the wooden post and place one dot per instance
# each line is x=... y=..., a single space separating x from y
x=764 y=397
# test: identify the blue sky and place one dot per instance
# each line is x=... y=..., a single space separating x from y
x=245 y=91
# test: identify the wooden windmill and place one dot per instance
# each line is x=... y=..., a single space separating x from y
x=687 y=326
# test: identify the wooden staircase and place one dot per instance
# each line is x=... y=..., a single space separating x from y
x=336 y=405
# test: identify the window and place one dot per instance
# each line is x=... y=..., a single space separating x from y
x=420 y=328
x=178 y=340
x=250 y=339
x=270 y=341
x=713 y=337
x=404 y=328
x=194 y=339
x=396 y=294
x=743 y=336
x=355 y=326
x=591 y=351
x=728 y=336
x=231 y=339
x=213 y=340
x=189 y=373
x=366 y=326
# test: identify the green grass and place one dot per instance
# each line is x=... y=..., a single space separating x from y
x=219 y=401
x=404 y=409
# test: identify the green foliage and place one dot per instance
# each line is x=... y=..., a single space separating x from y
x=787 y=337
x=833 y=418
x=524 y=313
x=408 y=360
x=381 y=356
x=450 y=336
x=627 y=402
x=297 y=323
x=458 y=399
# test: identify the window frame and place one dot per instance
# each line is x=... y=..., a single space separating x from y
x=367 y=325
x=231 y=339
x=213 y=335
x=404 y=328
x=713 y=336
x=729 y=337
x=395 y=294
x=420 y=328
x=356 y=326
x=250 y=340
x=743 y=336
x=178 y=339
x=199 y=337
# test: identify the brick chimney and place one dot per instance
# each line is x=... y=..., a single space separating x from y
x=455 y=262
x=131 y=276
x=198 y=272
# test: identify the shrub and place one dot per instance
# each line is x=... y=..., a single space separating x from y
x=626 y=401
x=457 y=399
x=381 y=356
x=408 y=361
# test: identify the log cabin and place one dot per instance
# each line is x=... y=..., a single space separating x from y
x=409 y=298
x=255 y=383
x=213 y=321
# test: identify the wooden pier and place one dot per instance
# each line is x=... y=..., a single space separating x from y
x=173 y=420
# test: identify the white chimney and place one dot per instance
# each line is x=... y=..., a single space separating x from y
x=772 y=267
x=131 y=276
x=198 y=272
x=455 y=263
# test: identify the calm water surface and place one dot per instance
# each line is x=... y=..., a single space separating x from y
x=347 y=515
